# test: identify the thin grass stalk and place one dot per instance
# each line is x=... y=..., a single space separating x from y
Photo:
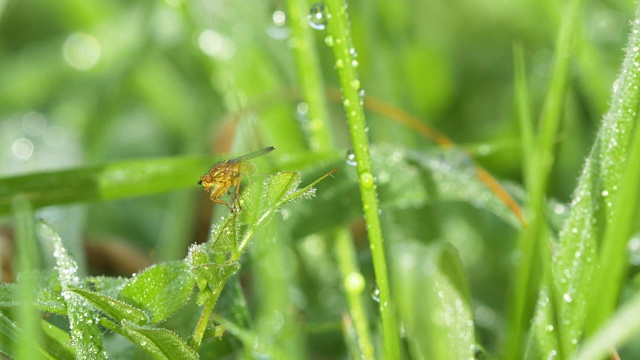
x=346 y=63
x=310 y=78
x=526 y=249
x=353 y=283
x=537 y=172
x=28 y=260
x=309 y=75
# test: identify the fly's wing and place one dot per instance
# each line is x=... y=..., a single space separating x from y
x=252 y=155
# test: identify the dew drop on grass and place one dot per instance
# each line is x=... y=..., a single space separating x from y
x=279 y=18
x=375 y=294
x=285 y=214
x=317 y=17
x=559 y=209
x=329 y=40
x=302 y=112
x=366 y=179
x=351 y=158
x=616 y=86
x=354 y=283
x=633 y=250
x=355 y=84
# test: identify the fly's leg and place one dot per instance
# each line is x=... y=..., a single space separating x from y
x=217 y=200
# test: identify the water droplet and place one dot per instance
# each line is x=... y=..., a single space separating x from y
x=302 y=112
x=355 y=63
x=354 y=282
x=216 y=45
x=351 y=158
x=355 y=84
x=633 y=250
x=383 y=177
x=339 y=63
x=366 y=179
x=329 y=40
x=559 y=209
x=34 y=123
x=81 y=51
x=279 y=18
x=616 y=86
x=22 y=148
x=317 y=17
x=567 y=298
x=375 y=294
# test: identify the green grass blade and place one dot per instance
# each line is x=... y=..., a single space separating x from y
x=346 y=63
x=574 y=261
x=28 y=259
x=58 y=342
x=523 y=110
x=434 y=301
x=610 y=277
x=521 y=283
x=534 y=238
x=10 y=341
x=309 y=75
x=104 y=182
x=618 y=329
x=353 y=283
x=275 y=321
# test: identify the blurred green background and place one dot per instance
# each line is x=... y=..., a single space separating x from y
x=94 y=82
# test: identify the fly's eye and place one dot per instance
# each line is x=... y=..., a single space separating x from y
x=205 y=179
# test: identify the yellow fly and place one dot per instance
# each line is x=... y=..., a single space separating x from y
x=226 y=174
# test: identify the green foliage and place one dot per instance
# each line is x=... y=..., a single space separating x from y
x=435 y=304
x=406 y=250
